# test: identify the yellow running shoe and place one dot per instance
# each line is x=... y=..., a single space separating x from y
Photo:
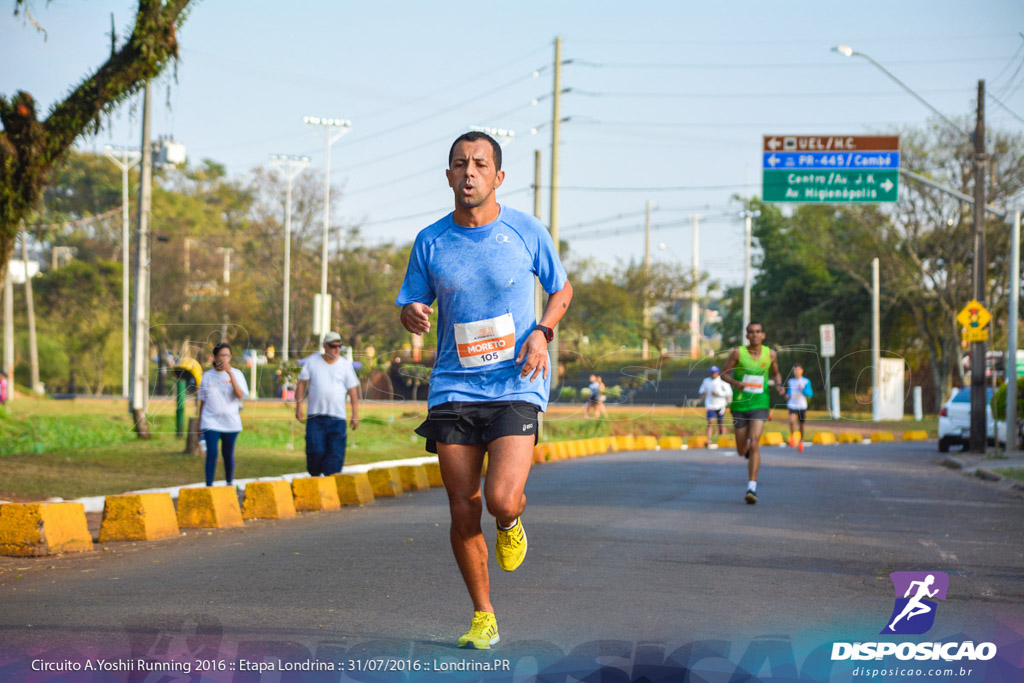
x=482 y=633
x=510 y=548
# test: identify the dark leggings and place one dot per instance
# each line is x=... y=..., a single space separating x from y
x=212 y=437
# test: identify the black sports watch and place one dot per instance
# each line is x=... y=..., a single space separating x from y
x=549 y=334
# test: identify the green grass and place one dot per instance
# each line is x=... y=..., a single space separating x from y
x=1015 y=473
x=88 y=447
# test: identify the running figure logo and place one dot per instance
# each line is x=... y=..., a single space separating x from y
x=914 y=613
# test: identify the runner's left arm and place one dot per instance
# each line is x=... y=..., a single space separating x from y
x=776 y=375
x=535 y=349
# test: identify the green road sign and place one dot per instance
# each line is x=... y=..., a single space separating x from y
x=830 y=187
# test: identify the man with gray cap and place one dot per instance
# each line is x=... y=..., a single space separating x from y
x=328 y=377
x=717 y=395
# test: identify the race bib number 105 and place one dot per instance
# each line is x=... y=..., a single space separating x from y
x=486 y=341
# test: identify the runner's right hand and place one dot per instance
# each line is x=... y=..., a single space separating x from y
x=416 y=317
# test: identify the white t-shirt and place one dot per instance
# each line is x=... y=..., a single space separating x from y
x=716 y=392
x=328 y=384
x=220 y=405
x=797 y=398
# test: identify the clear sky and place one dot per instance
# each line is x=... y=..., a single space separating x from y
x=668 y=100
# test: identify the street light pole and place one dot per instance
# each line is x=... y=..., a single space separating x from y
x=978 y=399
x=129 y=158
x=334 y=129
x=293 y=165
x=748 y=217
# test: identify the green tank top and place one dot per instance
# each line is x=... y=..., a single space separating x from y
x=753 y=372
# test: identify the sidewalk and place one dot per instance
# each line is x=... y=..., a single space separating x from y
x=984 y=467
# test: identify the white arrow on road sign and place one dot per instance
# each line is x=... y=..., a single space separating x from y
x=887 y=185
x=773 y=144
x=773 y=160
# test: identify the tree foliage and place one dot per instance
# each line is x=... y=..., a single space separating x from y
x=30 y=146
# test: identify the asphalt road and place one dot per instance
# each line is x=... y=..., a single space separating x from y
x=632 y=556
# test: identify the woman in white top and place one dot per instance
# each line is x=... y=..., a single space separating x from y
x=220 y=399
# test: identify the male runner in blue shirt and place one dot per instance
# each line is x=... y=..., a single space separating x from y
x=479 y=264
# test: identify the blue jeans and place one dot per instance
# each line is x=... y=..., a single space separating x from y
x=211 y=438
x=325 y=444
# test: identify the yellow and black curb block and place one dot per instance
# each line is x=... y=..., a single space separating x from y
x=268 y=500
x=850 y=437
x=915 y=435
x=824 y=438
x=434 y=475
x=138 y=517
x=209 y=507
x=36 y=529
x=414 y=478
x=386 y=482
x=354 y=489
x=315 y=494
x=877 y=437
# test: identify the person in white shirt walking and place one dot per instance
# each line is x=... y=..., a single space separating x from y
x=717 y=395
x=221 y=391
x=328 y=377
x=799 y=390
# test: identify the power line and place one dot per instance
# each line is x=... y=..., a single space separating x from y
x=671 y=188
x=764 y=65
x=1005 y=108
x=759 y=95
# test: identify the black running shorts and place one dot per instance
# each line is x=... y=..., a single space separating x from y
x=478 y=422
x=743 y=418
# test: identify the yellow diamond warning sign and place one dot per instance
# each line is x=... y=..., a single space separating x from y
x=974 y=316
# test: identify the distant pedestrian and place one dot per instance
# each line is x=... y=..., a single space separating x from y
x=717 y=394
x=328 y=377
x=602 y=411
x=798 y=388
x=593 y=399
x=220 y=401
x=3 y=388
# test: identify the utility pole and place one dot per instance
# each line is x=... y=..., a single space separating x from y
x=33 y=348
x=876 y=345
x=227 y=288
x=538 y=291
x=695 y=304
x=334 y=129
x=129 y=157
x=978 y=426
x=1010 y=360
x=556 y=118
x=139 y=391
x=9 y=330
x=644 y=349
x=293 y=166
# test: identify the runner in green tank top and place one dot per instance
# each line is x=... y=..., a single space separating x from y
x=747 y=370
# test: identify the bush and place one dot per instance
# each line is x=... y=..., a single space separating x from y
x=999 y=400
x=567 y=394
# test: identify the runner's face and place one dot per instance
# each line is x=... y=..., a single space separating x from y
x=798 y=372
x=755 y=334
x=332 y=350
x=472 y=176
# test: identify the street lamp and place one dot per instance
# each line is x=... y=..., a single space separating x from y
x=504 y=136
x=978 y=422
x=334 y=129
x=128 y=158
x=293 y=165
x=747 y=216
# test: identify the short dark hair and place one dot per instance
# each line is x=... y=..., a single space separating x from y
x=755 y=322
x=797 y=365
x=218 y=347
x=473 y=136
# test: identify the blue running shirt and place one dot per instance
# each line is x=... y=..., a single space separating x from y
x=482 y=280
